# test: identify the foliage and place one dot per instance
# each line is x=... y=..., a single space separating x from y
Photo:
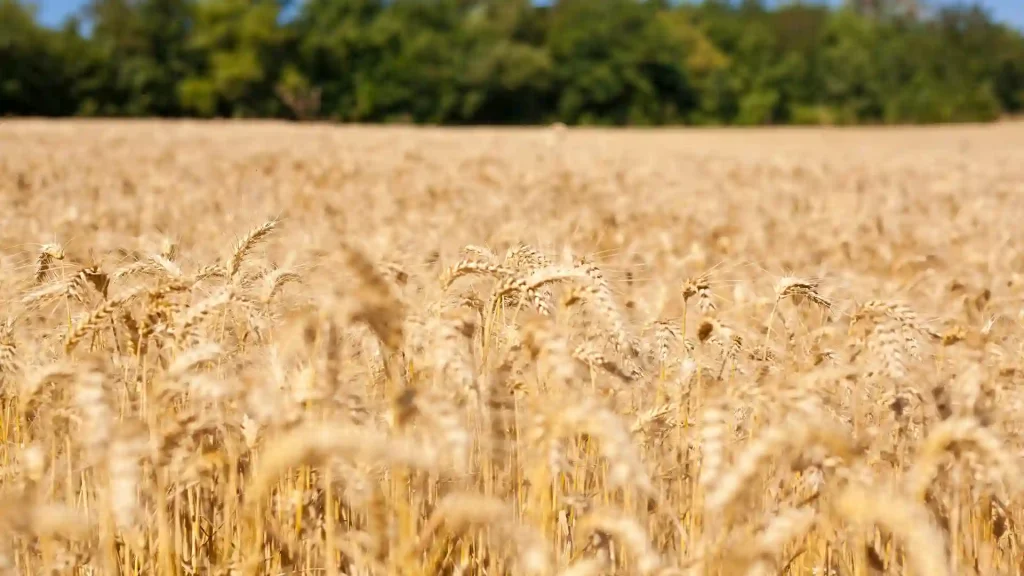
x=514 y=62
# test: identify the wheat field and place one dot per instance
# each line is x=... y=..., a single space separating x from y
x=266 y=348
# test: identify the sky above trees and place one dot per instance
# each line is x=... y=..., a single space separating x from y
x=53 y=12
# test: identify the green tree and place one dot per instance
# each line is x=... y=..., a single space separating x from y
x=240 y=47
x=849 y=61
x=415 y=77
x=137 y=53
x=516 y=61
x=616 y=62
x=706 y=66
x=504 y=74
x=335 y=51
x=36 y=76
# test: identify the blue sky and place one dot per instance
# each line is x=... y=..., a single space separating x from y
x=53 y=12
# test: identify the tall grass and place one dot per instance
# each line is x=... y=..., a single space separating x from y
x=280 y=350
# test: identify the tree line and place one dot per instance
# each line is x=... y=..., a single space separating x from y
x=606 y=62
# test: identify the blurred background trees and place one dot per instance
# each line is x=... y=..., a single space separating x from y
x=514 y=61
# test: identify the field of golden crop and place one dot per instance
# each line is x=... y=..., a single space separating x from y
x=263 y=348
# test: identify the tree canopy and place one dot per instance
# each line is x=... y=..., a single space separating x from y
x=611 y=62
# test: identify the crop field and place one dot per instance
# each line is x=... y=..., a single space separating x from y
x=235 y=348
